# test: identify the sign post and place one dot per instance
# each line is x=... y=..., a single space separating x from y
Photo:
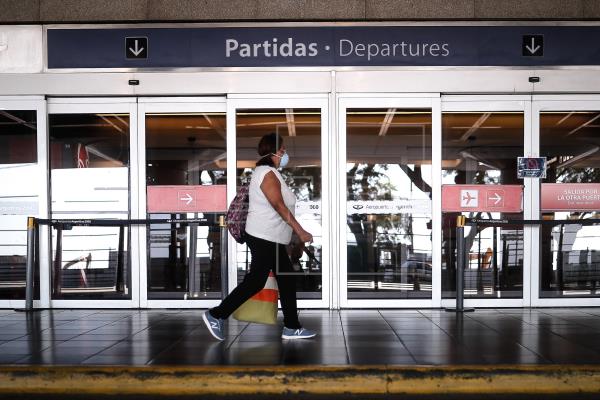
x=461 y=258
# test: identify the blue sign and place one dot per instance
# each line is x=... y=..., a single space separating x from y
x=325 y=46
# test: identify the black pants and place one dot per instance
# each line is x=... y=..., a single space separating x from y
x=266 y=256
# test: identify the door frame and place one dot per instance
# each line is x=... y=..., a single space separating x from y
x=276 y=101
x=377 y=100
x=540 y=103
x=517 y=103
x=37 y=104
x=165 y=105
x=102 y=105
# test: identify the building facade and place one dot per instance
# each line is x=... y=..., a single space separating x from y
x=398 y=117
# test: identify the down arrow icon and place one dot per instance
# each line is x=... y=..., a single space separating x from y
x=533 y=46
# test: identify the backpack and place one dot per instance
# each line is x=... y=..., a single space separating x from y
x=237 y=213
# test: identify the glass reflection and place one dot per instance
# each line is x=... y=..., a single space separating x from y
x=301 y=133
x=481 y=148
x=388 y=175
x=18 y=197
x=185 y=149
x=89 y=161
x=570 y=253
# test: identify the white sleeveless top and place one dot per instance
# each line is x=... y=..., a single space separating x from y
x=263 y=221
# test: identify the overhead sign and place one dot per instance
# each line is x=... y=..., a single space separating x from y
x=136 y=48
x=401 y=206
x=482 y=198
x=533 y=46
x=570 y=197
x=183 y=198
x=361 y=45
x=531 y=167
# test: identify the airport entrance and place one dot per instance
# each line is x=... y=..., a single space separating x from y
x=375 y=177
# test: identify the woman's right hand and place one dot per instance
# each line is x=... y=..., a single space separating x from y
x=304 y=236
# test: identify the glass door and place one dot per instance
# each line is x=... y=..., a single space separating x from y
x=304 y=125
x=387 y=193
x=183 y=175
x=23 y=189
x=482 y=136
x=567 y=133
x=91 y=154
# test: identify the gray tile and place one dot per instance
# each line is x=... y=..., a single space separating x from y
x=534 y=9
x=92 y=10
x=19 y=10
x=415 y=9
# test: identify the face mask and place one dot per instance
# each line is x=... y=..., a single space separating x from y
x=284 y=160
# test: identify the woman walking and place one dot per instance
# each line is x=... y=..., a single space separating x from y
x=269 y=228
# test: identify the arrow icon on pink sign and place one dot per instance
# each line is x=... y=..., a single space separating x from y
x=495 y=198
x=188 y=199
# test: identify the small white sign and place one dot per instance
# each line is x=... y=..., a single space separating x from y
x=469 y=198
x=416 y=206
x=308 y=207
x=18 y=206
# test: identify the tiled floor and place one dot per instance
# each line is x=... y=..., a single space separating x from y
x=399 y=337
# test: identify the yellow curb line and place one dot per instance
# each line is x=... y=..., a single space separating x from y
x=165 y=381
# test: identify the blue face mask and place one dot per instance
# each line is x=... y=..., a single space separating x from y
x=284 y=160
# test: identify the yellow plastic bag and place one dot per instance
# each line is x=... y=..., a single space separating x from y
x=262 y=307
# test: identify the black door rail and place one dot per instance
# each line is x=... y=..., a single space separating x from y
x=462 y=252
x=68 y=224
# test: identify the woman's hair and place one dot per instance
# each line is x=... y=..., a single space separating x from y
x=268 y=145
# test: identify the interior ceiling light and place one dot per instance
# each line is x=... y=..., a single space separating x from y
x=291 y=125
x=466 y=154
x=387 y=121
x=583 y=125
x=563 y=119
x=401 y=112
x=476 y=125
x=279 y=113
x=18 y=120
x=579 y=157
x=481 y=127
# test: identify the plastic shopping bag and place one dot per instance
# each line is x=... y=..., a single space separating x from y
x=262 y=307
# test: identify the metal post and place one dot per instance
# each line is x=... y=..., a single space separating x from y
x=461 y=259
x=29 y=271
x=120 y=281
x=223 y=248
x=58 y=262
x=495 y=265
x=193 y=267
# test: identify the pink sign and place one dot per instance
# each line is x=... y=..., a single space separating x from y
x=202 y=198
x=482 y=198
x=570 y=197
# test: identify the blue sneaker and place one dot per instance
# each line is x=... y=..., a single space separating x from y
x=301 y=333
x=214 y=325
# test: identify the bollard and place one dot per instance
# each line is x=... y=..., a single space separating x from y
x=223 y=247
x=461 y=258
x=29 y=277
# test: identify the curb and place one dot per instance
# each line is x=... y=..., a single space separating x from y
x=306 y=380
